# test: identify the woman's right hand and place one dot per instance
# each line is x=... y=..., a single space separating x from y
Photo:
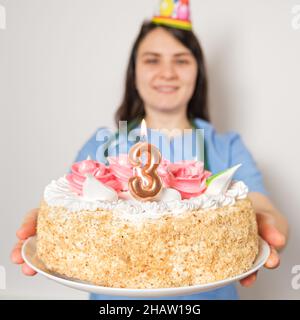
x=27 y=229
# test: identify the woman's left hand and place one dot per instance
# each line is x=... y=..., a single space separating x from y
x=276 y=240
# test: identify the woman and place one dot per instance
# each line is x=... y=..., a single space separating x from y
x=166 y=85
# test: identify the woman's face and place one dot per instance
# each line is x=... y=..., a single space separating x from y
x=166 y=72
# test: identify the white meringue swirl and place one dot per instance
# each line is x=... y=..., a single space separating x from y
x=58 y=193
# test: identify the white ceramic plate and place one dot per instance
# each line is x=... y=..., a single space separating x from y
x=30 y=257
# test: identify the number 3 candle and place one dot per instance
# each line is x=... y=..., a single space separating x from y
x=145 y=183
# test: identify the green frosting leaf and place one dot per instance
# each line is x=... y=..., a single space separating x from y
x=211 y=178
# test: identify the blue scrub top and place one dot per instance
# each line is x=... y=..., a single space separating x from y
x=222 y=151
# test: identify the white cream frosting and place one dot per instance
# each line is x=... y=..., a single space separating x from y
x=168 y=194
x=58 y=193
x=93 y=189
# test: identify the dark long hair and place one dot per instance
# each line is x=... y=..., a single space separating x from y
x=132 y=106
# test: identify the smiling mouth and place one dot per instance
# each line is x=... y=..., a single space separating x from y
x=166 y=89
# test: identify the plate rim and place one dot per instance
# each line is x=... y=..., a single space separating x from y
x=262 y=256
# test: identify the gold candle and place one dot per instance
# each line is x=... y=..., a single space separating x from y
x=145 y=183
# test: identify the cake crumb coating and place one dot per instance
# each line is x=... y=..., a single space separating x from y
x=101 y=248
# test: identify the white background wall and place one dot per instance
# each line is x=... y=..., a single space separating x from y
x=62 y=65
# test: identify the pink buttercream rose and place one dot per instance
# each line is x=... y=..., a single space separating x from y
x=101 y=172
x=163 y=172
x=188 y=177
x=122 y=169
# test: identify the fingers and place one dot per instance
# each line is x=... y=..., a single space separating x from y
x=273 y=260
x=16 y=256
x=249 y=281
x=275 y=238
x=272 y=263
x=28 y=227
x=269 y=232
x=27 y=270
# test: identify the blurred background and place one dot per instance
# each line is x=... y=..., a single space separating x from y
x=62 y=67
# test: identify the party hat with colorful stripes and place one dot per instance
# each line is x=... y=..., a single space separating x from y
x=174 y=13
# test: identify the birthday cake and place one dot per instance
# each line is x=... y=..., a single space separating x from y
x=198 y=229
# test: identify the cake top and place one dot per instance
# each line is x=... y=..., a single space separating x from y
x=186 y=185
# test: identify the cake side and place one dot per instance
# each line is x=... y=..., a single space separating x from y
x=195 y=247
